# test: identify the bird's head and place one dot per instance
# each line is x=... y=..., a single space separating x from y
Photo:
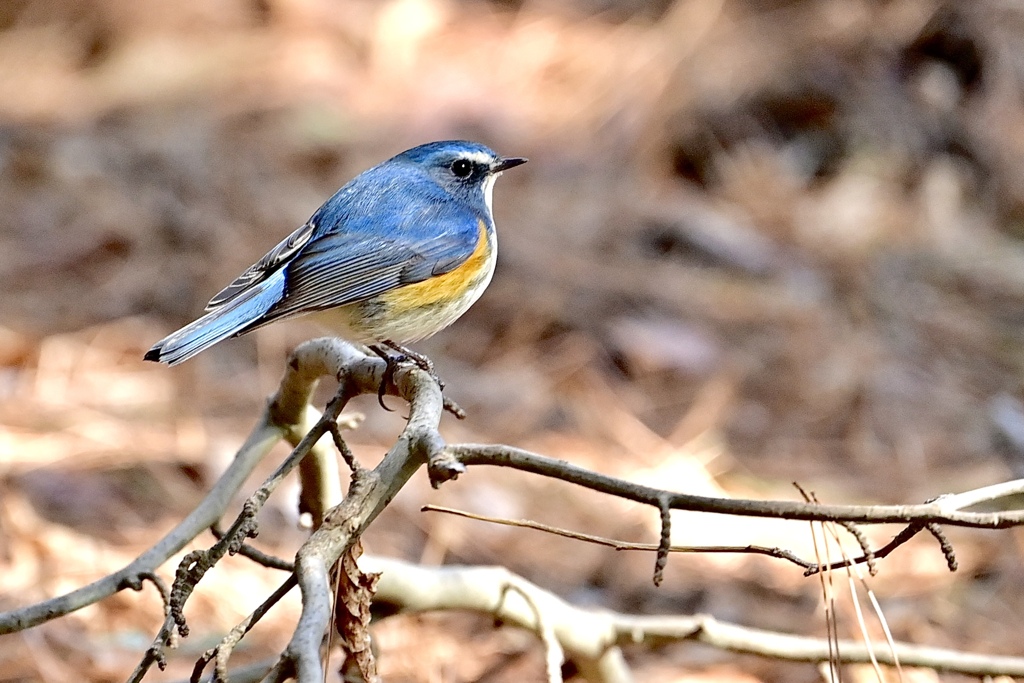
x=464 y=169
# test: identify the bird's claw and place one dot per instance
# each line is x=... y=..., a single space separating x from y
x=393 y=362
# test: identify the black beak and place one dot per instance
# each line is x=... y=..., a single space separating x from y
x=505 y=163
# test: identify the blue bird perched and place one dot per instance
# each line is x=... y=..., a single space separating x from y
x=396 y=255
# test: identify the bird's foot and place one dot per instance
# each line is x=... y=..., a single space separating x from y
x=417 y=359
x=405 y=355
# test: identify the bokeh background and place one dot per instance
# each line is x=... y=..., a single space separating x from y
x=758 y=241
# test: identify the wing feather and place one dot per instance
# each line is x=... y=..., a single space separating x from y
x=265 y=267
x=372 y=236
x=343 y=268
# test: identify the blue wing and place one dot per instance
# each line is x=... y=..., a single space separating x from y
x=265 y=267
x=369 y=242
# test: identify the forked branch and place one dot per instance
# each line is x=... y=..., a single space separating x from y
x=340 y=520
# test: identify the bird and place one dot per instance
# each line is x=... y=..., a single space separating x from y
x=394 y=256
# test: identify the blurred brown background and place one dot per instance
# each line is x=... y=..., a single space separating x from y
x=758 y=241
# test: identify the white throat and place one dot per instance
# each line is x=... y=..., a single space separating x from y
x=489 y=192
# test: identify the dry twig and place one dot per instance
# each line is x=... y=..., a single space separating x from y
x=592 y=643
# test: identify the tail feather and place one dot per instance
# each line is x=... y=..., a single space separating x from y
x=234 y=317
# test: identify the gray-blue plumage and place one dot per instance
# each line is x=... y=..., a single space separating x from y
x=411 y=218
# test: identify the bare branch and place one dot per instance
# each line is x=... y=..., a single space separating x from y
x=193 y=567
x=589 y=636
x=590 y=641
x=288 y=415
x=347 y=455
x=1004 y=495
x=707 y=629
x=246 y=673
x=296 y=385
x=370 y=492
x=263 y=438
x=944 y=510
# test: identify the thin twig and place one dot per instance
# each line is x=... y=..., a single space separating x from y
x=223 y=650
x=899 y=539
x=343 y=449
x=944 y=544
x=624 y=545
x=865 y=547
x=166 y=638
x=665 y=541
x=255 y=554
x=263 y=437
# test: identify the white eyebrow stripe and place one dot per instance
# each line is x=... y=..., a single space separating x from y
x=478 y=157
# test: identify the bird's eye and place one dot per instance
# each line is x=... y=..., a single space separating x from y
x=462 y=168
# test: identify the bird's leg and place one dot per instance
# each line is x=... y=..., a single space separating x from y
x=417 y=359
x=391 y=364
x=421 y=361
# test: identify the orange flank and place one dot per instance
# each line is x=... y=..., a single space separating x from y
x=443 y=288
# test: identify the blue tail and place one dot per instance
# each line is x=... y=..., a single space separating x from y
x=233 y=317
